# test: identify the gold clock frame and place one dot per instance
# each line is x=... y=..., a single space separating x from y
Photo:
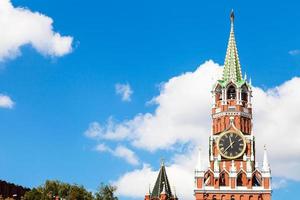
x=234 y=132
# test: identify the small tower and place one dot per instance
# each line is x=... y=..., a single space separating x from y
x=162 y=188
x=266 y=172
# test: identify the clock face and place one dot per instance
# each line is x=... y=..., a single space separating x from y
x=231 y=144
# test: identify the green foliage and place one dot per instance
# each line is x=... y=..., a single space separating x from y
x=106 y=192
x=52 y=189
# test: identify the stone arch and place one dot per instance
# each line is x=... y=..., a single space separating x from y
x=214 y=197
x=244 y=93
x=260 y=197
x=256 y=179
x=224 y=178
x=209 y=178
x=218 y=92
x=232 y=197
x=223 y=197
x=241 y=179
x=231 y=92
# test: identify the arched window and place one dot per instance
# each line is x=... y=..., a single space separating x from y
x=214 y=197
x=241 y=179
x=244 y=93
x=260 y=197
x=256 y=179
x=218 y=93
x=231 y=92
x=209 y=178
x=224 y=179
x=232 y=197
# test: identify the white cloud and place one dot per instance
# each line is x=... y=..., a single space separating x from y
x=182 y=116
x=94 y=130
x=111 y=130
x=103 y=148
x=124 y=90
x=127 y=154
x=20 y=26
x=121 y=152
x=135 y=184
x=282 y=183
x=182 y=113
x=6 y=101
x=294 y=52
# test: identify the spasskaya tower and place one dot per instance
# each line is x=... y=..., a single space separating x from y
x=233 y=173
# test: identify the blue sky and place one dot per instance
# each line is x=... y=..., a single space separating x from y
x=139 y=43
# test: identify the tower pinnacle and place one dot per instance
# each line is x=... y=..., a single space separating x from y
x=199 y=166
x=232 y=16
x=232 y=68
x=266 y=167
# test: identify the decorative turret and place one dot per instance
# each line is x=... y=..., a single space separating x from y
x=266 y=166
x=148 y=194
x=199 y=166
x=162 y=188
x=162 y=183
x=266 y=172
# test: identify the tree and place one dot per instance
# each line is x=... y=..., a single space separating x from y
x=52 y=189
x=106 y=192
x=34 y=194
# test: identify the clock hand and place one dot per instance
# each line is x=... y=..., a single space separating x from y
x=230 y=142
x=230 y=145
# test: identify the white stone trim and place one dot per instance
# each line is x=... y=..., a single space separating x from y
x=258 y=189
x=231 y=113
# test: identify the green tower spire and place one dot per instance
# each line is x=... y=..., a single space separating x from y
x=162 y=183
x=232 y=68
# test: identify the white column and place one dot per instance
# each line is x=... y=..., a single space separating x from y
x=211 y=148
x=223 y=96
x=214 y=99
x=249 y=94
x=252 y=148
x=239 y=96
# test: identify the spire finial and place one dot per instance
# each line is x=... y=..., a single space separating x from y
x=162 y=162
x=232 y=16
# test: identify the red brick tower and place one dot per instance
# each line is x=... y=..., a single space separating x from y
x=233 y=173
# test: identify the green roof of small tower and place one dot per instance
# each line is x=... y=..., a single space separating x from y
x=232 y=68
x=162 y=183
